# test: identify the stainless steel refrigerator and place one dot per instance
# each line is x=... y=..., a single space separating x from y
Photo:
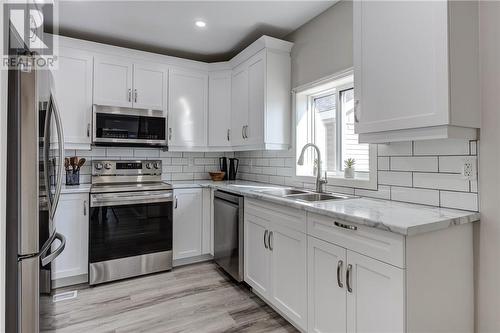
x=34 y=179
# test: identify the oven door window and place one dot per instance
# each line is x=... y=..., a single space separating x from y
x=129 y=230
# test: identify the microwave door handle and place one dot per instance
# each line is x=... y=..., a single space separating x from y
x=60 y=166
x=54 y=254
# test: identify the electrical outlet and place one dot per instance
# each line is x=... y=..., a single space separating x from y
x=469 y=168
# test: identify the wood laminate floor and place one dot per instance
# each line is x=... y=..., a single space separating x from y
x=195 y=298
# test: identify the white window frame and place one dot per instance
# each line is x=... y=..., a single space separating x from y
x=340 y=81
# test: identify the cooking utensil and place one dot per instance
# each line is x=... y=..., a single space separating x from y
x=81 y=162
x=73 y=161
x=66 y=163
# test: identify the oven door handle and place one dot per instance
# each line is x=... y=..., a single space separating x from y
x=120 y=199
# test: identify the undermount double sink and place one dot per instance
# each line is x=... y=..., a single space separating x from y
x=304 y=195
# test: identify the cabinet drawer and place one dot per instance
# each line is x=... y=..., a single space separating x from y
x=289 y=217
x=381 y=245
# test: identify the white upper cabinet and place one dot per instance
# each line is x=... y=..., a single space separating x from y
x=415 y=78
x=261 y=114
x=149 y=86
x=187 y=108
x=113 y=81
x=72 y=82
x=120 y=82
x=219 y=109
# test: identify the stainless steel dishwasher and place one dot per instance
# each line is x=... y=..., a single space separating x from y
x=228 y=233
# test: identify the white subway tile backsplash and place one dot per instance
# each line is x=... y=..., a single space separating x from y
x=277 y=162
x=142 y=153
x=441 y=147
x=179 y=161
x=395 y=178
x=383 y=192
x=278 y=180
x=171 y=168
x=120 y=152
x=395 y=149
x=460 y=200
x=429 y=164
x=415 y=195
x=451 y=164
x=441 y=181
x=383 y=163
x=340 y=189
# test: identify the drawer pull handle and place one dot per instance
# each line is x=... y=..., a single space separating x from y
x=339 y=272
x=265 y=238
x=348 y=278
x=270 y=240
x=345 y=226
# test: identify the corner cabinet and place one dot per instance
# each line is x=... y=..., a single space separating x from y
x=416 y=78
x=187 y=109
x=72 y=220
x=72 y=83
x=260 y=101
x=326 y=275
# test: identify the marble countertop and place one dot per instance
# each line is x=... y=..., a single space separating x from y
x=398 y=217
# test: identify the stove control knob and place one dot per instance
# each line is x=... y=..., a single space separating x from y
x=98 y=166
x=149 y=165
x=157 y=165
x=107 y=166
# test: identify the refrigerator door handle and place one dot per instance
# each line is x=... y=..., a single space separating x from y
x=54 y=254
x=47 y=244
x=52 y=109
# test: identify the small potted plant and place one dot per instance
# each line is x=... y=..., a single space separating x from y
x=349 y=168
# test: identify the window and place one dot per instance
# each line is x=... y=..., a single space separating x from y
x=325 y=117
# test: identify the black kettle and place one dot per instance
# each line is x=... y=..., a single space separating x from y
x=223 y=166
x=233 y=168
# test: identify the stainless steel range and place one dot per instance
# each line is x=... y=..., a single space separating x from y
x=130 y=220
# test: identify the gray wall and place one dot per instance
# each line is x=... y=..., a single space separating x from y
x=488 y=260
x=323 y=46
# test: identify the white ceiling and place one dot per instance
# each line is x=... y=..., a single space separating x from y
x=168 y=26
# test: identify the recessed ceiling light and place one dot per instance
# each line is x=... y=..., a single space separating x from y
x=200 y=24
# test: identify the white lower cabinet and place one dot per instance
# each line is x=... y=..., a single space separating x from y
x=275 y=263
x=376 y=300
x=326 y=275
x=72 y=221
x=326 y=287
x=187 y=228
x=350 y=292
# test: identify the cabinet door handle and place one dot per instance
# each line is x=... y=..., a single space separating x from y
x=176 y=202
x=356 y=107
x=170 y=133
x=345 y=226
x=265 y=238
x=243 y=131
x=348 y=278
x=135 y=95
x=270 y=240
x=339 y=274
x=85 y=208
x=130 y=95
x=228 y=133
x=246 y=131
x=88 y=130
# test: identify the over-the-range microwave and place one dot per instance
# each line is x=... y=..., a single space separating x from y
x=120 y=126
